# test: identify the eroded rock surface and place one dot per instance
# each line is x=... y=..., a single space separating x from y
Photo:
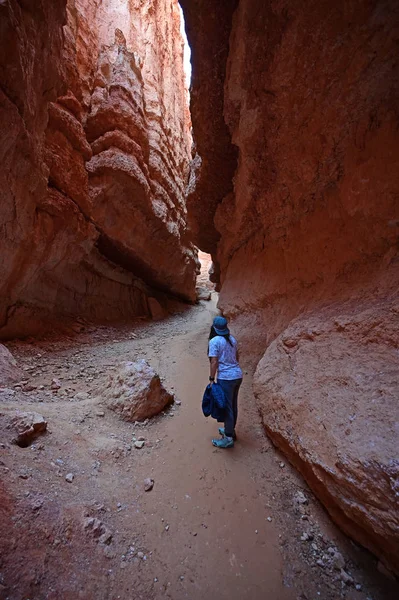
x=327 y=391
x=309 y=99
x=136 y=392
x=9 y=370
x=208 y=27
x=95 y=161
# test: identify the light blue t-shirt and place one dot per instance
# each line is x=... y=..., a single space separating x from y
x=228 y=367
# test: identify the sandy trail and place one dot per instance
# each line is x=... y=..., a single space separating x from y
x=204 y=529
x=219 y=538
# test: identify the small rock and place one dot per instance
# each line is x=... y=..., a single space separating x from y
x=29 y=388
x=81 y=396
x=109 y=552
x=338 y=561
x=346 y=578
x=307 y=537
x=105 y=538
x=140 y=555
x=139 y=445
x=203 y=294
x=88 y=522
x=300 y=498
x=166 y=527
x=141 y=438
x=95 y=525
x=320 y=563
x=37 y=504
x=55 y=384
x=297 y=570
x=269 y=519
x=178 y=402
x=358 y=587
x=148 y=484
x=282 y=465
x=290 y=343
x=100 y=413
x=69 y=477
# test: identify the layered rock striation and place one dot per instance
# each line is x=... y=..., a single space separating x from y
x=309 y=234
x=95 y=162
x=327 y=393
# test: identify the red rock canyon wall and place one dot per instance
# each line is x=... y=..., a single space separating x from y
x=306 y=240
x=213 y=167
x=95 y=161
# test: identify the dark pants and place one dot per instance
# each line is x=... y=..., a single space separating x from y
x=230 y=388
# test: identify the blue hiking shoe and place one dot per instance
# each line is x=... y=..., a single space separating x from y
x=225 y=442
x=221 y=431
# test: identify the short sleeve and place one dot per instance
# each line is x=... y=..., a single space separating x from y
x=213 y=349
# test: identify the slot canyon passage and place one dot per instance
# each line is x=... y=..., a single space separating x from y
x=280 y=171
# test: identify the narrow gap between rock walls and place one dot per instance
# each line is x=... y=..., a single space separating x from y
x=205 y=287
x=187 y=51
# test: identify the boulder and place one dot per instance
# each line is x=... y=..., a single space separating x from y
x=135 y=392
x=327 y=390
x=9 y=371
x=27 y=427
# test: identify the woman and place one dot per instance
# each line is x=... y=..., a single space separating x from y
x=222 y=352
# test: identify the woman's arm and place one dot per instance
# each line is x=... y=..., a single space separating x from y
x=213 y=364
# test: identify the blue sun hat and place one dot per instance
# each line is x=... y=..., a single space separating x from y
x=220 y=326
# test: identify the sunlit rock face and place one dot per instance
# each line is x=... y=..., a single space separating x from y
x=95 y=161
x=306 y=238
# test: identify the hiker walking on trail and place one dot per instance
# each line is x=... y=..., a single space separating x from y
x=223 y=358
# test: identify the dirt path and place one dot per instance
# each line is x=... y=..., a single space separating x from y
x=217 y=524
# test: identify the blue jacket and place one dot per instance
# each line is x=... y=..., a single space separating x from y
x=214 y=402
